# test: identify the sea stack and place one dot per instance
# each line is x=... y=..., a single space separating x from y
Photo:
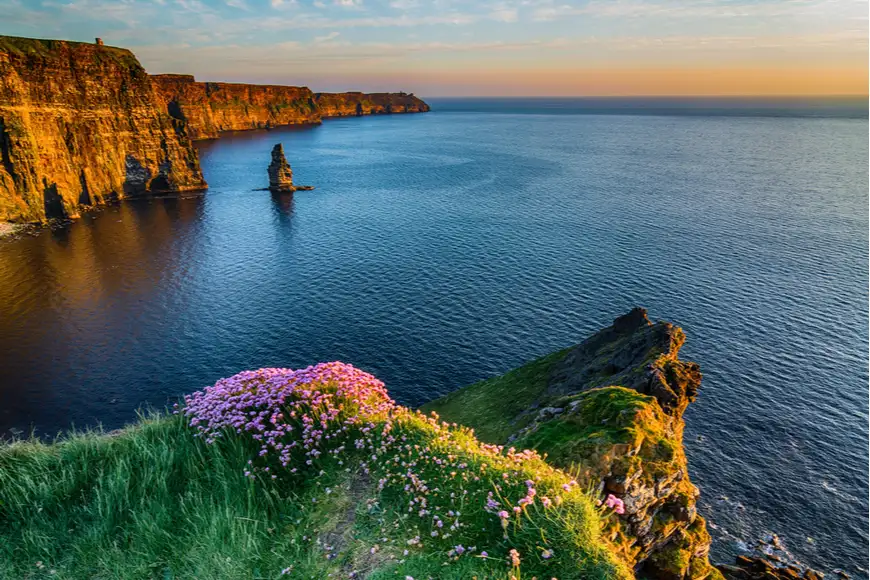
x=280 y=174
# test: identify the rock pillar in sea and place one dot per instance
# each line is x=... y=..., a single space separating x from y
x=280 y=174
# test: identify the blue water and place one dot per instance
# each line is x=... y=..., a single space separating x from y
x=444 y=248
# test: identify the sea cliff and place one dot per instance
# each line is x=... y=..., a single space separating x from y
x=83 y=123
x=209 y=108
x=355 y=104
x=80 y=124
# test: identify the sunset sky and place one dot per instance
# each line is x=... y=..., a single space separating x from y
x=502 y=47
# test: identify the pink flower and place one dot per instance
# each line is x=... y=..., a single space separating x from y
x=514 y=558
x=615 y=503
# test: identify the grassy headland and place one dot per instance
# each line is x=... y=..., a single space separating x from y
x=317 y=473
x=388 y=493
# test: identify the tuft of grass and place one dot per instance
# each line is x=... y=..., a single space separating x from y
x=498 y=407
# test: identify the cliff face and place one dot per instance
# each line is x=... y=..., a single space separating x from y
x=610 y=410
x=208 y=108
x=84 y=123
x=79 y=124
x=355 y=104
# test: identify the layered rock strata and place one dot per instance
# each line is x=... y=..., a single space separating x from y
x=357 y=104
x=210 y=108
x=280 y=174
x=80 y=124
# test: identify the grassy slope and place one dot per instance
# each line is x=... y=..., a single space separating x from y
x=491 y=406
x=150 y=502
x=155 y=502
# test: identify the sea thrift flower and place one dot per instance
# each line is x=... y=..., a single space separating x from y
x=615 y=503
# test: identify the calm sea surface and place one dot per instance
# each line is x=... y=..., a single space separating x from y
x=445 y=248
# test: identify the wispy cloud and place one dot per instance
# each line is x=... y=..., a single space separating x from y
x=328 y=37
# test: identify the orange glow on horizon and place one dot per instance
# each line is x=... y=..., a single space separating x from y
x=726 y=81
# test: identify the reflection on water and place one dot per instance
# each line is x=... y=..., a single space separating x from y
x=282 y=203
x=73 y=299
x=440 y=249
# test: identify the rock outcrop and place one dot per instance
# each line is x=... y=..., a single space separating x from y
x=610 y=410
x=80 y=124
x=638 y=456
x=209 y=108
x=770 y=560
x=280 y=174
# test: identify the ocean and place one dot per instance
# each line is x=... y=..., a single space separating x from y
x=444 y=248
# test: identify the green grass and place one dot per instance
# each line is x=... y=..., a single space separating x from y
x=608 y=426
x=149 y=502
x=492 y=407
x=153 y=501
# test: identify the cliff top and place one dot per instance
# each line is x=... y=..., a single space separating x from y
x=45 y=49
x=312 y=473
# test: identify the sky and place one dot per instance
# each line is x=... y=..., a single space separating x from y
x=481 y=48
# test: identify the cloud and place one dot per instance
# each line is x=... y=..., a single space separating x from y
x=707 y=9
x=505 y=15
x=328 y=37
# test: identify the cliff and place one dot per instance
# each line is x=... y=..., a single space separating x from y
x=80 y=124
x=209 y=108
x=609 y=410
x=355 y=104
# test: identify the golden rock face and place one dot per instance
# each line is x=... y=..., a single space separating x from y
x=80 y=124
x=84 y=123
x=209 y=108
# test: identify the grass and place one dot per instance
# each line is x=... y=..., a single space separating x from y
x=492 y=406
x=149 y=502
x=158 y=500
x=601 y=420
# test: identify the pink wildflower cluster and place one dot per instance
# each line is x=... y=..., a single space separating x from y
x=290 y=412
x=615 y=504
x=439 y=482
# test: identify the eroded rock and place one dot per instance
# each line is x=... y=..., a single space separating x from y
x=280 y=174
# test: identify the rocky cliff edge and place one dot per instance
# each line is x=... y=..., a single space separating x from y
x=609 y=410
x=80 y=124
